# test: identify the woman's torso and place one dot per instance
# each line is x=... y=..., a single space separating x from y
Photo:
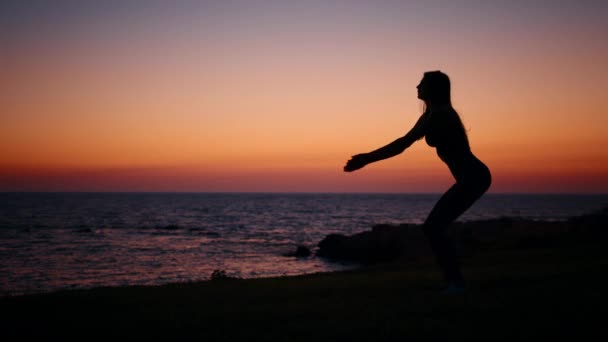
x=446 y=133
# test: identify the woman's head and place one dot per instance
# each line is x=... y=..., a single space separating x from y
x=434 y=88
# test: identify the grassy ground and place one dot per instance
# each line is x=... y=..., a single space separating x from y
x=524 y=294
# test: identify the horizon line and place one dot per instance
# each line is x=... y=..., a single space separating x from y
x=296 y=192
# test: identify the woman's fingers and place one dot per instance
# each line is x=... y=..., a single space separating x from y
x=352 y=165
x=348 y=166
x=356 y=162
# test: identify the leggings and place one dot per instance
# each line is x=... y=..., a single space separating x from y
x=450 y=206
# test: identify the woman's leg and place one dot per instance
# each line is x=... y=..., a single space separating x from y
x=450 y=206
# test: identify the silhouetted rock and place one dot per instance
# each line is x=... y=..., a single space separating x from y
x=171 y=227
x=221 y=275
x=382 y=243
x=388 y=242
x=597 y=221
x=300 y=252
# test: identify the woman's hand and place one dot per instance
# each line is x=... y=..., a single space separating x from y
x=357 y=162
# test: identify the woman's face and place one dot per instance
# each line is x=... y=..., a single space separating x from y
x=422 y=89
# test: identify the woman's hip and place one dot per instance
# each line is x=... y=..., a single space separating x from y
x=475 y=175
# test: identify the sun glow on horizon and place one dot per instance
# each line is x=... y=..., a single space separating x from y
x=276 y=97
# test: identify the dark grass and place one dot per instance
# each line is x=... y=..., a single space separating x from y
x=536 y=293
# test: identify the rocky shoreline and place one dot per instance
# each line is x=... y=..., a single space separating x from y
x=386 y=242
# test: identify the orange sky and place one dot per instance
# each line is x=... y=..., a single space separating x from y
x=276 y=97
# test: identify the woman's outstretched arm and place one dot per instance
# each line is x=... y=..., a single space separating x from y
x=396 y=147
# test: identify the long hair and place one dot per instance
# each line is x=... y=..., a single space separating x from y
x=438 y=85
x=439 y=93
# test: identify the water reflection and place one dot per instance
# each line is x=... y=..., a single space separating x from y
x=55 y=241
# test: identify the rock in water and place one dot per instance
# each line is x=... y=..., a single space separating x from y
x=387 y=242
x=382 y=243
x=300 y=252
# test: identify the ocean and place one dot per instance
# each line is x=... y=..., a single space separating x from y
x=54 y=241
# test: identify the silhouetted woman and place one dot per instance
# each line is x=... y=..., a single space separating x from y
x=441 y=127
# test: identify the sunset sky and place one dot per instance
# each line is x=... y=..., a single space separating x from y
x=277 y=95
